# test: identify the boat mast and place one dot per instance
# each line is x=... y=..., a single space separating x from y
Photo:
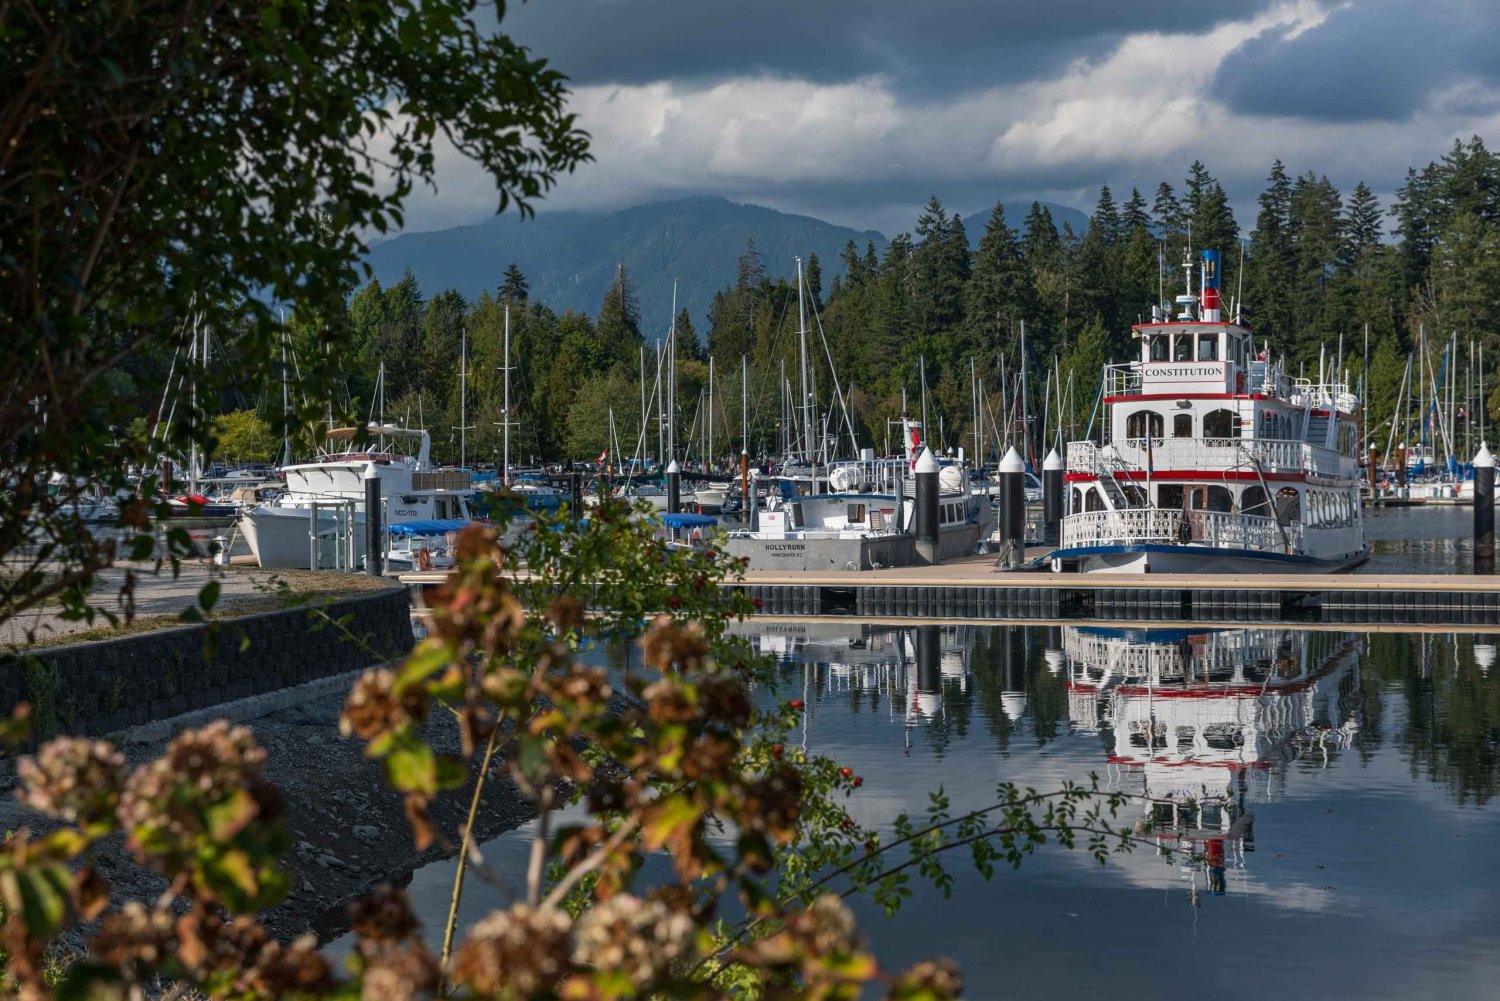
x=807 y=419
x=463 y=394
x=672 y=379
x=286 y=427
x=708 y=449
x=505 y=405
x=194 y=356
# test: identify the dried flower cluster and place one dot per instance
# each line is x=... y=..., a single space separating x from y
x=73 y=779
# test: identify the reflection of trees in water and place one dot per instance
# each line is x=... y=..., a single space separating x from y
x=1452 y=728
x=1009 y=660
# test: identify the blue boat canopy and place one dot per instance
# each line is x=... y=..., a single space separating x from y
x=429 y=526
x=687 y=520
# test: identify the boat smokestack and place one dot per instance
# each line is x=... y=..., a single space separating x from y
x=1212 y=308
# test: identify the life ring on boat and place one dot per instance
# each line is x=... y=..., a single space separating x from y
x=424 y=559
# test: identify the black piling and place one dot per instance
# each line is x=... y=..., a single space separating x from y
x=1052 y=497
x=1484 y=511
x=375 y=534
x=927 y=508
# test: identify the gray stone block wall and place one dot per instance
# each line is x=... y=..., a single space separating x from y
x=107 y=685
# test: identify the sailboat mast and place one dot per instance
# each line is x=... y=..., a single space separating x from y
x=708 y=450
x=463 y=395
x=286 y=427
x=672 y=379
x=505 y=404
x=807 y=419
x=194 y=356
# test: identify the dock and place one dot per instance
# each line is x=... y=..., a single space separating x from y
x=974 y=589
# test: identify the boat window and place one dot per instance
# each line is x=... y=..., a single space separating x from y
x=1158 y=348
x=1211 y=499
x=1253 y=501
x=1137 y=423
x=1092 y=501
x=1218 y=424
x=1208 y=347
x=1182 y=425
x=1182 y=347
x=1289 y=505
x=794 y=515
x=1077 y=500
x=1169 y=495
x=856 y=514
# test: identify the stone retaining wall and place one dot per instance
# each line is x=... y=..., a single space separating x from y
x=107 y=685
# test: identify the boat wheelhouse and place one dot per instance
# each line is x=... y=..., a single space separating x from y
x=1214 y=459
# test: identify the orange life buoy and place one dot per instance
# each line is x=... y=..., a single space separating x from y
x=424 y=559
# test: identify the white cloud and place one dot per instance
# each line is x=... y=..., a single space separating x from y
x=855 y=151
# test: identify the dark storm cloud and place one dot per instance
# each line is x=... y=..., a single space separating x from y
x=926 y=46
x=1373 y=60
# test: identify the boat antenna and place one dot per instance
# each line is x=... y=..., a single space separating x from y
x=1239 y=282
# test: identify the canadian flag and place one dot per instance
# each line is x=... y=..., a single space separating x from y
x=603 y=455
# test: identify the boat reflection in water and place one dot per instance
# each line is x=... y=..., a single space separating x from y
x=1201 y=724
x=1198 y=725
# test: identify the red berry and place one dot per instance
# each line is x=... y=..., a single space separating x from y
x=757 y=602
x=869 y=847
x=846 y=824
x=798 y=704
x=674 y=602
x=858 y=781
x=776 y=751
x=846 y=772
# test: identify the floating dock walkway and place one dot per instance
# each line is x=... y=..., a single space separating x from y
x=973 y=588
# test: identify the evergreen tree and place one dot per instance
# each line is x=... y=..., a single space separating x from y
x=1166 y=213
x=1361 y=226
x=514 y=287
x=814 y=276
x=1135 y=216
x=999 y=293
x=1106 y=218
x=619 y=324
x=438 y=363
x=688 y=344
x=1271 y=268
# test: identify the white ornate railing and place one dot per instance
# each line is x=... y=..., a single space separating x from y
x=1156 y=525
x=1271 y=455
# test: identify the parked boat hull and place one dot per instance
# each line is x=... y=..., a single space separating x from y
x=1196 y=560
x=853 y=553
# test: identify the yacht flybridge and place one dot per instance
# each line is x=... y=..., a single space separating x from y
x=332 y=489
x=1213 y=459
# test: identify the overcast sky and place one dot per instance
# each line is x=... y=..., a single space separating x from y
x=857 y=111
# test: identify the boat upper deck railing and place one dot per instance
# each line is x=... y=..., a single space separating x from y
x=1211 y=455
x=1259 y=378
x=1214 y=529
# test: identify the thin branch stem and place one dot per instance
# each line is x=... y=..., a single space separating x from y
x=538 y=859
x=468 y=841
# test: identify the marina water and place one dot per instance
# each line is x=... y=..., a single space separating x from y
x=1316 y=817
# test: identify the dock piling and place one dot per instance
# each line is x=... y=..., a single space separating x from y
x=1484 y=511
x=374 y=535
x=927 y=508
x=1012 y=507
x=1052 y=497
x=674 y=488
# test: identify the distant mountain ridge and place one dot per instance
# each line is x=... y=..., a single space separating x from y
x=569 y=256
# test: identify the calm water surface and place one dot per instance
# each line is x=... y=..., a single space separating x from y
x=1335 y=790
x=1420 y=540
